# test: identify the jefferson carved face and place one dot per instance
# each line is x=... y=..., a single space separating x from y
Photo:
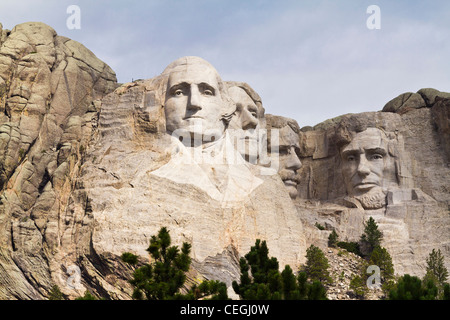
x=289 y=162
x=366 y=163
x=194 y=103
x=245 y=124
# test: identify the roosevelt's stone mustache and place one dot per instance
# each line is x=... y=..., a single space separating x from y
x=289 y=175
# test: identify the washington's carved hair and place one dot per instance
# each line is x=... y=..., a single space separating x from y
x=229 y=107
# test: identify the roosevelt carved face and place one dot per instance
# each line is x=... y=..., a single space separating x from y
x=289 y=162
x=245 y=124
x=194 y=103
x=367 y=166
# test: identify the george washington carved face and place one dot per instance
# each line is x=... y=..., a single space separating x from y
x=195 y=101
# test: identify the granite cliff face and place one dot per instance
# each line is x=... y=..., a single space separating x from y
x=90 y=169
x=47 y=85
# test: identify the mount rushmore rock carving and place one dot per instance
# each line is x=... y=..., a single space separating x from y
x=91 y=169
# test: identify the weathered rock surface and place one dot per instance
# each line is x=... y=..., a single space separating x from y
x=47 y=86
x=87 y=172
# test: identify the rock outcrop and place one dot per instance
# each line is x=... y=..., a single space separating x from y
x=47 y=87
x=413 y=210
x=90 y=169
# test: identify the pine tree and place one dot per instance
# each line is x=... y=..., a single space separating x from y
x=265 y=281
x=332 y=239
x=130 y=258
x=290 y=286
x=317 y=291
x=381 y=258
x=303 y=287
x=317 y=265
x=207 y=290
x=446 y=292
x=372 y=236
x=87 y=296
x=411 y=288
x=55 y=293
x=358 y=285
x=436 y=269
x=165 y=276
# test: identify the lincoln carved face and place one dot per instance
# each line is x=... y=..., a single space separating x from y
x=194 y=101
x=367 y=165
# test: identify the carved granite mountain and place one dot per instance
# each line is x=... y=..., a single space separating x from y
x=90 y=169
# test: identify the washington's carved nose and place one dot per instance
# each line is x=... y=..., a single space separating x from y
x=194 y=101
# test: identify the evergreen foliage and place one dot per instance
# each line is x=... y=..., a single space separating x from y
x=436 y=269
x=317 y=265
x=165 y=276
x=446 y=292
x=55 y=293
x=87 y=296
x=332 y=239
x=411 y=288
x=265 y=282
x=358 y=285
x=130 y=258
x=381 y=258
x=261 y=280
x=372 y=236
x=352 y=247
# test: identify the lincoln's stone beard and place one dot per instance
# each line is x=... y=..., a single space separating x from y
x=374 y=199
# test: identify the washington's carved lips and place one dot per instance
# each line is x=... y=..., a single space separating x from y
x=289 y=182
x=192 y=117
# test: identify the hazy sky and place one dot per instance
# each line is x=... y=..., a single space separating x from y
x=308 y=60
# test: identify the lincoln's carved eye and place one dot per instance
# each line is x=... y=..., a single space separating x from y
x=208 y=92
x=351 y=158
x=377 y=156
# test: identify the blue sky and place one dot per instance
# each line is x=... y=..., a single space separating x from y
x=308 y=60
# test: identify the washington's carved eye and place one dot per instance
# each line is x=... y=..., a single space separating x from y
x=208 y=92
x=178 y=92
